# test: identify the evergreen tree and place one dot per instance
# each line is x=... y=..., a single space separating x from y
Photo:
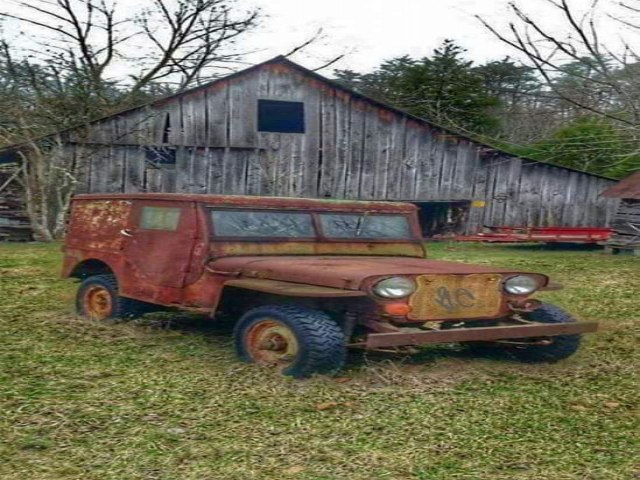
x=443 y=88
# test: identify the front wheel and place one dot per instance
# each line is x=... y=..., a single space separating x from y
x=551 y=349
x=300 y=341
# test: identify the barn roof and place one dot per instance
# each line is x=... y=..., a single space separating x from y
x=626 y=188
x=7 y=154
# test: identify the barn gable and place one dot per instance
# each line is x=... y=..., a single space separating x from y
x=279 y=129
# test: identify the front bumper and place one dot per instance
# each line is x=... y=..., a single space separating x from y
x=477 y=334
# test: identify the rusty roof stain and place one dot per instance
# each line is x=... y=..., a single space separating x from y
x=627 y=188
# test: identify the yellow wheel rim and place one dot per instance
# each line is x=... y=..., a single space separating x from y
x=270 y=342
x=97 y=302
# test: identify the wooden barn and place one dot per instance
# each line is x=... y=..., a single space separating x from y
x=626 y=224
x=279 y=129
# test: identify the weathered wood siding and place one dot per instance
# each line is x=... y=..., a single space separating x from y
x=14 y=223
x=626 y=224
x=352 y=148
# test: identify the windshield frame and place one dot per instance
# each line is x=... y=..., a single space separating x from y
x=414 y=227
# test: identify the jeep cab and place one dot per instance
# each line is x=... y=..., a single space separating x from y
x=304 y=279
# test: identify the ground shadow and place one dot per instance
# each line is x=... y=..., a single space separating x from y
x=426 y=355
x=221 y=331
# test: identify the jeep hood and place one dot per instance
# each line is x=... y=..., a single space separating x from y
x=339 y=272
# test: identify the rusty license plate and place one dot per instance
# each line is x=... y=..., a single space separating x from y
x=443 y=297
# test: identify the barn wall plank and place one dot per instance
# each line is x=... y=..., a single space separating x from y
x=448 y=163
x=216 y=160
x=355 y=149
x=409 y=162
x=184 y=169
x=243 y=112
x=383 y=147
x=570 y=187
x=328 y=162
x=429 y=167
x=100 y=168
x=342 y=143
x=134 y=170
x=369 y=155
x=478 y=206
x=217 y=114
x=513 y=205
x=396 y=158
x=168 y=179
x=153 y=179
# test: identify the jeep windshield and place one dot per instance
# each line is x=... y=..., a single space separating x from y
x=365 y=226
x=251 y=224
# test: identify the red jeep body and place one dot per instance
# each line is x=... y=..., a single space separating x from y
x=215 y=253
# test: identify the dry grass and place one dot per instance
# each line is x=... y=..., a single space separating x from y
x=83 y=400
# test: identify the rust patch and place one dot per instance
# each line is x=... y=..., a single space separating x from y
x=292 y=289
x=386 y=115
x=342 y=95
x=96 y=224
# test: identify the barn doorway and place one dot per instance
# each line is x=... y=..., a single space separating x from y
x=443 y=218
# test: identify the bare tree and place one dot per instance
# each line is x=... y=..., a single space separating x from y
x=576 y=65
x=48 y=179
x=171 y=41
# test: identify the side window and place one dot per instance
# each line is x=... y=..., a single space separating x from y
x=160 y=218
x=279 y=116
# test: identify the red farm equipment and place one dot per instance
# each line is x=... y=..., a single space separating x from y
x=584 y=235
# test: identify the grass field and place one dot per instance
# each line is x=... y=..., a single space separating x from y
x=158 y=401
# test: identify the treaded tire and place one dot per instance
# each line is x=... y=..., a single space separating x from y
x=321 y=342
x=121 y=307
x=562 y=346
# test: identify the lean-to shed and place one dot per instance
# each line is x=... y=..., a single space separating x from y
x=626 y=223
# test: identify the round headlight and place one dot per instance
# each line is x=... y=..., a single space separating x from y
x=394 y=287
x=521 y=285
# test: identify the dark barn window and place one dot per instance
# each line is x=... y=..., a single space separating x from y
x=282 y=117
x=161 y=157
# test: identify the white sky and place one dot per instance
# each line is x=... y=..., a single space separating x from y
x=370 y=31
x=374 y=30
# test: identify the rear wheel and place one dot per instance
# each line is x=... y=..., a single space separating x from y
x=98 y=299
x=300 y=341
x=548 y=349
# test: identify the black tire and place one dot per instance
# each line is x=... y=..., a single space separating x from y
x=561 y=346
x=120 y=307
x=321 y=345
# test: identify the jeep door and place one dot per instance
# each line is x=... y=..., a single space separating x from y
x=159 y=242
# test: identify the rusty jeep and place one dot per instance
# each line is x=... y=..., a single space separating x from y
x=303 y=279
